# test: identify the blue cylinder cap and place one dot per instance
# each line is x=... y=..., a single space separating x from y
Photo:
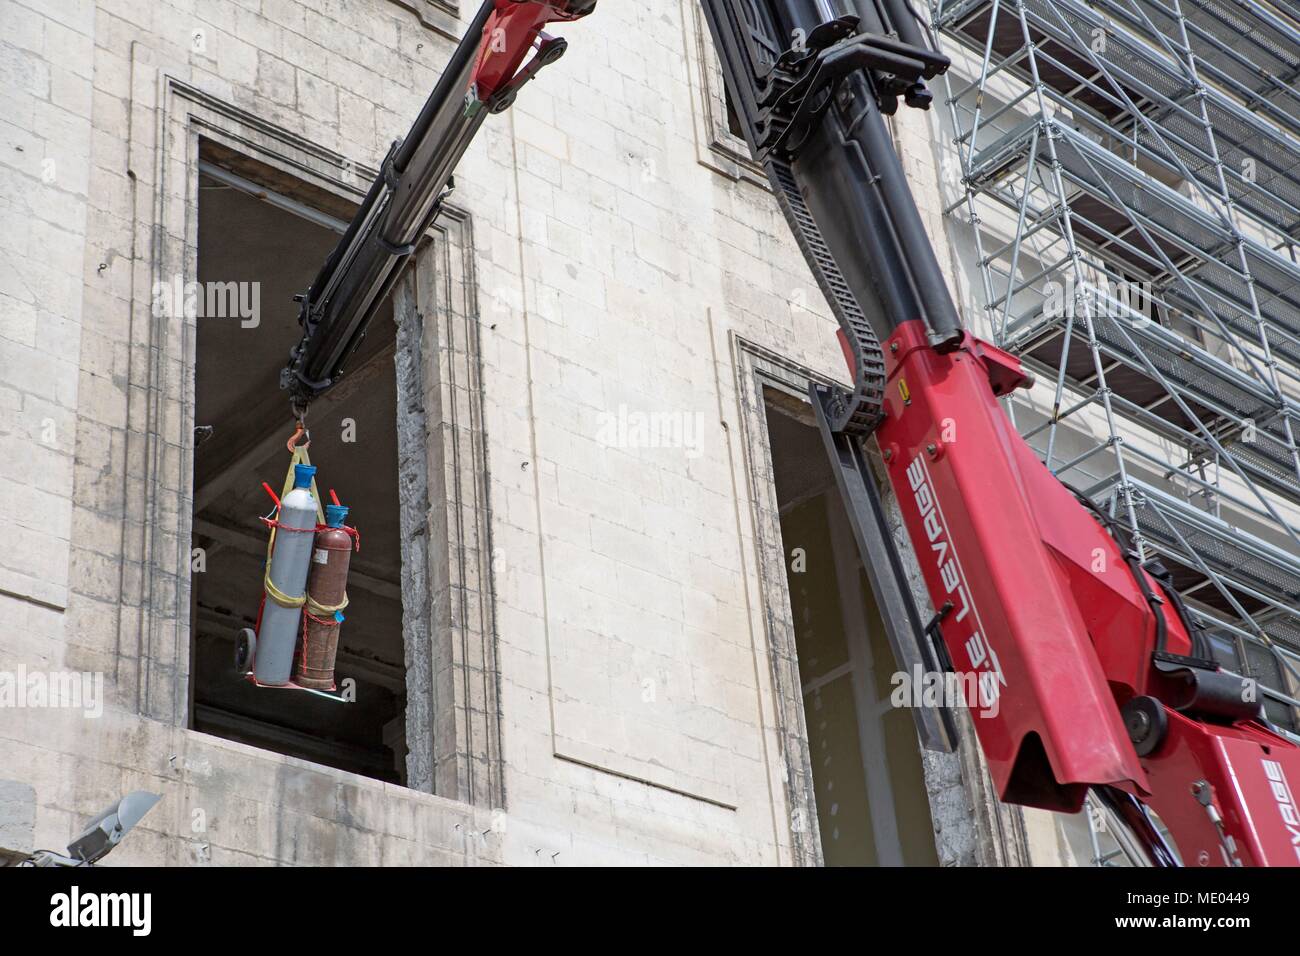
x=335 y=515
x=302 y=475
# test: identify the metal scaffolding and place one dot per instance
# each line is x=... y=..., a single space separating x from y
x=1131 y=173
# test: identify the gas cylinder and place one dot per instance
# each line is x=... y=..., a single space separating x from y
x=277 y=633
x=327 y=596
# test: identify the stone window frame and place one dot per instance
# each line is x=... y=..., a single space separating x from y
x=440 y=16
x=756 y=368
x=454 y=738
x=972 y=827
x=717 y=147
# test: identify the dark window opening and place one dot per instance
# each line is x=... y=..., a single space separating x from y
x=872 y=806
x=271 y=245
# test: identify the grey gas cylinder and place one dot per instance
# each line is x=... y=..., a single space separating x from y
x=290 y=562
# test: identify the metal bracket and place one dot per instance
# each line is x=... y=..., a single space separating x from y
x=549 y=49
x=802 y=84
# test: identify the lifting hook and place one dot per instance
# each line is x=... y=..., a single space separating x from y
x=300 y=431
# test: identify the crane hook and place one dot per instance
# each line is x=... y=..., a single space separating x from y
x=300 y=431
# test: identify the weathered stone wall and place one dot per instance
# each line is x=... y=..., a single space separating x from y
x=621 y=250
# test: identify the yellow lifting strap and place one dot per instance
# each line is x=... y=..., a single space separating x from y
x=325 y=610
x=299 y=457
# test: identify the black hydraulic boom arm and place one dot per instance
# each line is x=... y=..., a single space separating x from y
x=812 y=82
x=483 y=76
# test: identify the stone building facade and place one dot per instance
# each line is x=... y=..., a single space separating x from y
x=597 y=661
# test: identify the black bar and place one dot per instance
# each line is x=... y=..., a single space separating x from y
x=400 y=205
x=884 y=567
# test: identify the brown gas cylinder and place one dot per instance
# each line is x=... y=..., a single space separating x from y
x=327 y=584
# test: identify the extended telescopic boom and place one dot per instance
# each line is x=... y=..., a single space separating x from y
x=812 y=83
x=485 y=74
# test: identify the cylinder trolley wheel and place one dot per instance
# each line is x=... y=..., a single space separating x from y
x=245 y=649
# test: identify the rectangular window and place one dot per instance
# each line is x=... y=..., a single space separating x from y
x=262 y=238
x=872 y=805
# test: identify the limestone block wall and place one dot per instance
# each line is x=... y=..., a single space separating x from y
x=622 y=262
